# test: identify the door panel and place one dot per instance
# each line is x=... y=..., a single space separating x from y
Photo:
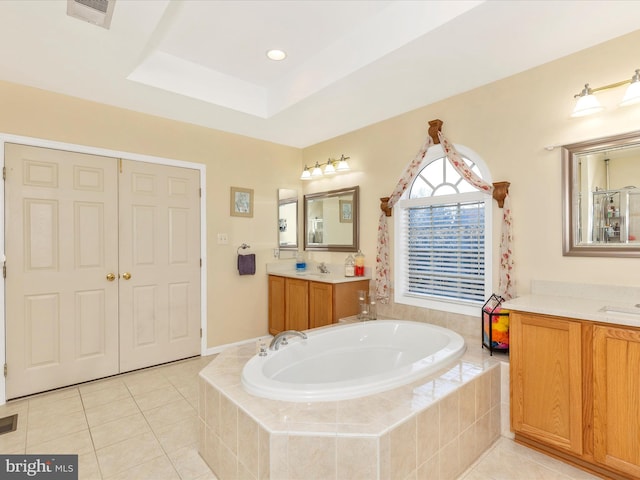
x=61 y=241
x=42 y=328
x=160 y=249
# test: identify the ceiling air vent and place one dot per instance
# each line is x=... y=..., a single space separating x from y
x=98 y=12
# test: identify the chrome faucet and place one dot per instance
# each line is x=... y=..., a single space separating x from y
x=281 y=338
x=323 y=268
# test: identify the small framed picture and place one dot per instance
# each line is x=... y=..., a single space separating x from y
x=346 y=212
x=241 y=202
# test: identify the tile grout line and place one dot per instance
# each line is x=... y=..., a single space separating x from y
x=93 y=445
x=165 y=453
x=153 y=431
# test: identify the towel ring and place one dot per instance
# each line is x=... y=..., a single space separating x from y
x=244 y=246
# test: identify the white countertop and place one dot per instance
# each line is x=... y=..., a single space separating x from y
x=335 y=275
x=599 y=303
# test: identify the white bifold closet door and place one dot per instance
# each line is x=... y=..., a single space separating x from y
x=103 y=266
x=159 y=264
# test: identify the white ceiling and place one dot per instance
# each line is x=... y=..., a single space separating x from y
x=349 y=64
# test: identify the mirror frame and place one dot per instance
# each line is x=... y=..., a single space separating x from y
x=569 y=246
x=286 y=201
x=353 y=247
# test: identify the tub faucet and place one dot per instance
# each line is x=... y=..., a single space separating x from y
x=281 y=338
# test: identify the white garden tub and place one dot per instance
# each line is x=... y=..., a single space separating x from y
x=351 y=360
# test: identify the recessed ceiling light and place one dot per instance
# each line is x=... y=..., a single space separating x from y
x=276 y=55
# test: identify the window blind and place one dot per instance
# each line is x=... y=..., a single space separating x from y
x=445 y=254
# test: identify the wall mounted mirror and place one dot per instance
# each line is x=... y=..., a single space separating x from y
x=287 y=219
x=331 y=220
x=601 y=197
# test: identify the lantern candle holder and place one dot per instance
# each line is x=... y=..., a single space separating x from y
x=495 y=325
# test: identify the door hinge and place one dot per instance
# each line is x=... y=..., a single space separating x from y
x=4 y=173
x=4 y=270
x=200 y=192
x=120 y=165
x=5 y=365
x=200 y=263
x=5 y=370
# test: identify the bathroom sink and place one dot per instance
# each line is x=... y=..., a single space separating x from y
x=622 y=312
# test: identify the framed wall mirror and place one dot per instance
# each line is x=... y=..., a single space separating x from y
x=331 y=220
x=601 y=197
x=287 y=219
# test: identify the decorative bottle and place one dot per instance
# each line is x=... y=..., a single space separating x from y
x=349 y=266
x=359 y=270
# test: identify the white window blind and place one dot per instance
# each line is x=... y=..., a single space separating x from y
x=445 y=251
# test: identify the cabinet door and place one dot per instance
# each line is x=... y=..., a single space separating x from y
x=616 y=403
x=276 y=304
x=345 y=298
x=296 y=304
x=546 y=380
x=320 y=304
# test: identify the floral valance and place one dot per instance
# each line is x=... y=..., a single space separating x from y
x=383 y=274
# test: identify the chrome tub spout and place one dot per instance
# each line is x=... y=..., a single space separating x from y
x=281 y=338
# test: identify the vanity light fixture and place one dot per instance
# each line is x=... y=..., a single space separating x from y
x=331 y=166
x=343 y=166
x=316 y=172
x=632 y=95
x=329 y=169
x=306 y=174
x=587 y=103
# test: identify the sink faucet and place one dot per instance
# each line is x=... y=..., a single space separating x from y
x=281 y=338
x=323 y=268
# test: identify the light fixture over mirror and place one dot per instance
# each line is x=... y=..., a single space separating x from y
x=331 y=166
x=588 y=104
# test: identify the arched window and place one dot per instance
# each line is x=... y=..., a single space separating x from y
x=443 y=237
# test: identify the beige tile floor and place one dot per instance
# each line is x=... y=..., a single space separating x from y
x=507 y=460
x=144 y=425
x=141 y=425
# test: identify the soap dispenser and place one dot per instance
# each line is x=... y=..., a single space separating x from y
x=349 y=266
x=359 y=270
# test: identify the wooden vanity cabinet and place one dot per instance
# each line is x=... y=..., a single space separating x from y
x=276 y=304
x=546 y=373
x=296 y=304
x=320 y=304
x=575 y=391
x=616 y=400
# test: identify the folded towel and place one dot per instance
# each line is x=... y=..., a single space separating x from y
x=247 y=264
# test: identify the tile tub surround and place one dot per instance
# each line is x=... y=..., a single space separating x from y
x=433 y=428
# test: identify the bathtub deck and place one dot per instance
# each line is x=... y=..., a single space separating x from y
x=441 y=423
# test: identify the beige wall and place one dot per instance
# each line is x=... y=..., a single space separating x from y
x=508 y=123
x=237 y=305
